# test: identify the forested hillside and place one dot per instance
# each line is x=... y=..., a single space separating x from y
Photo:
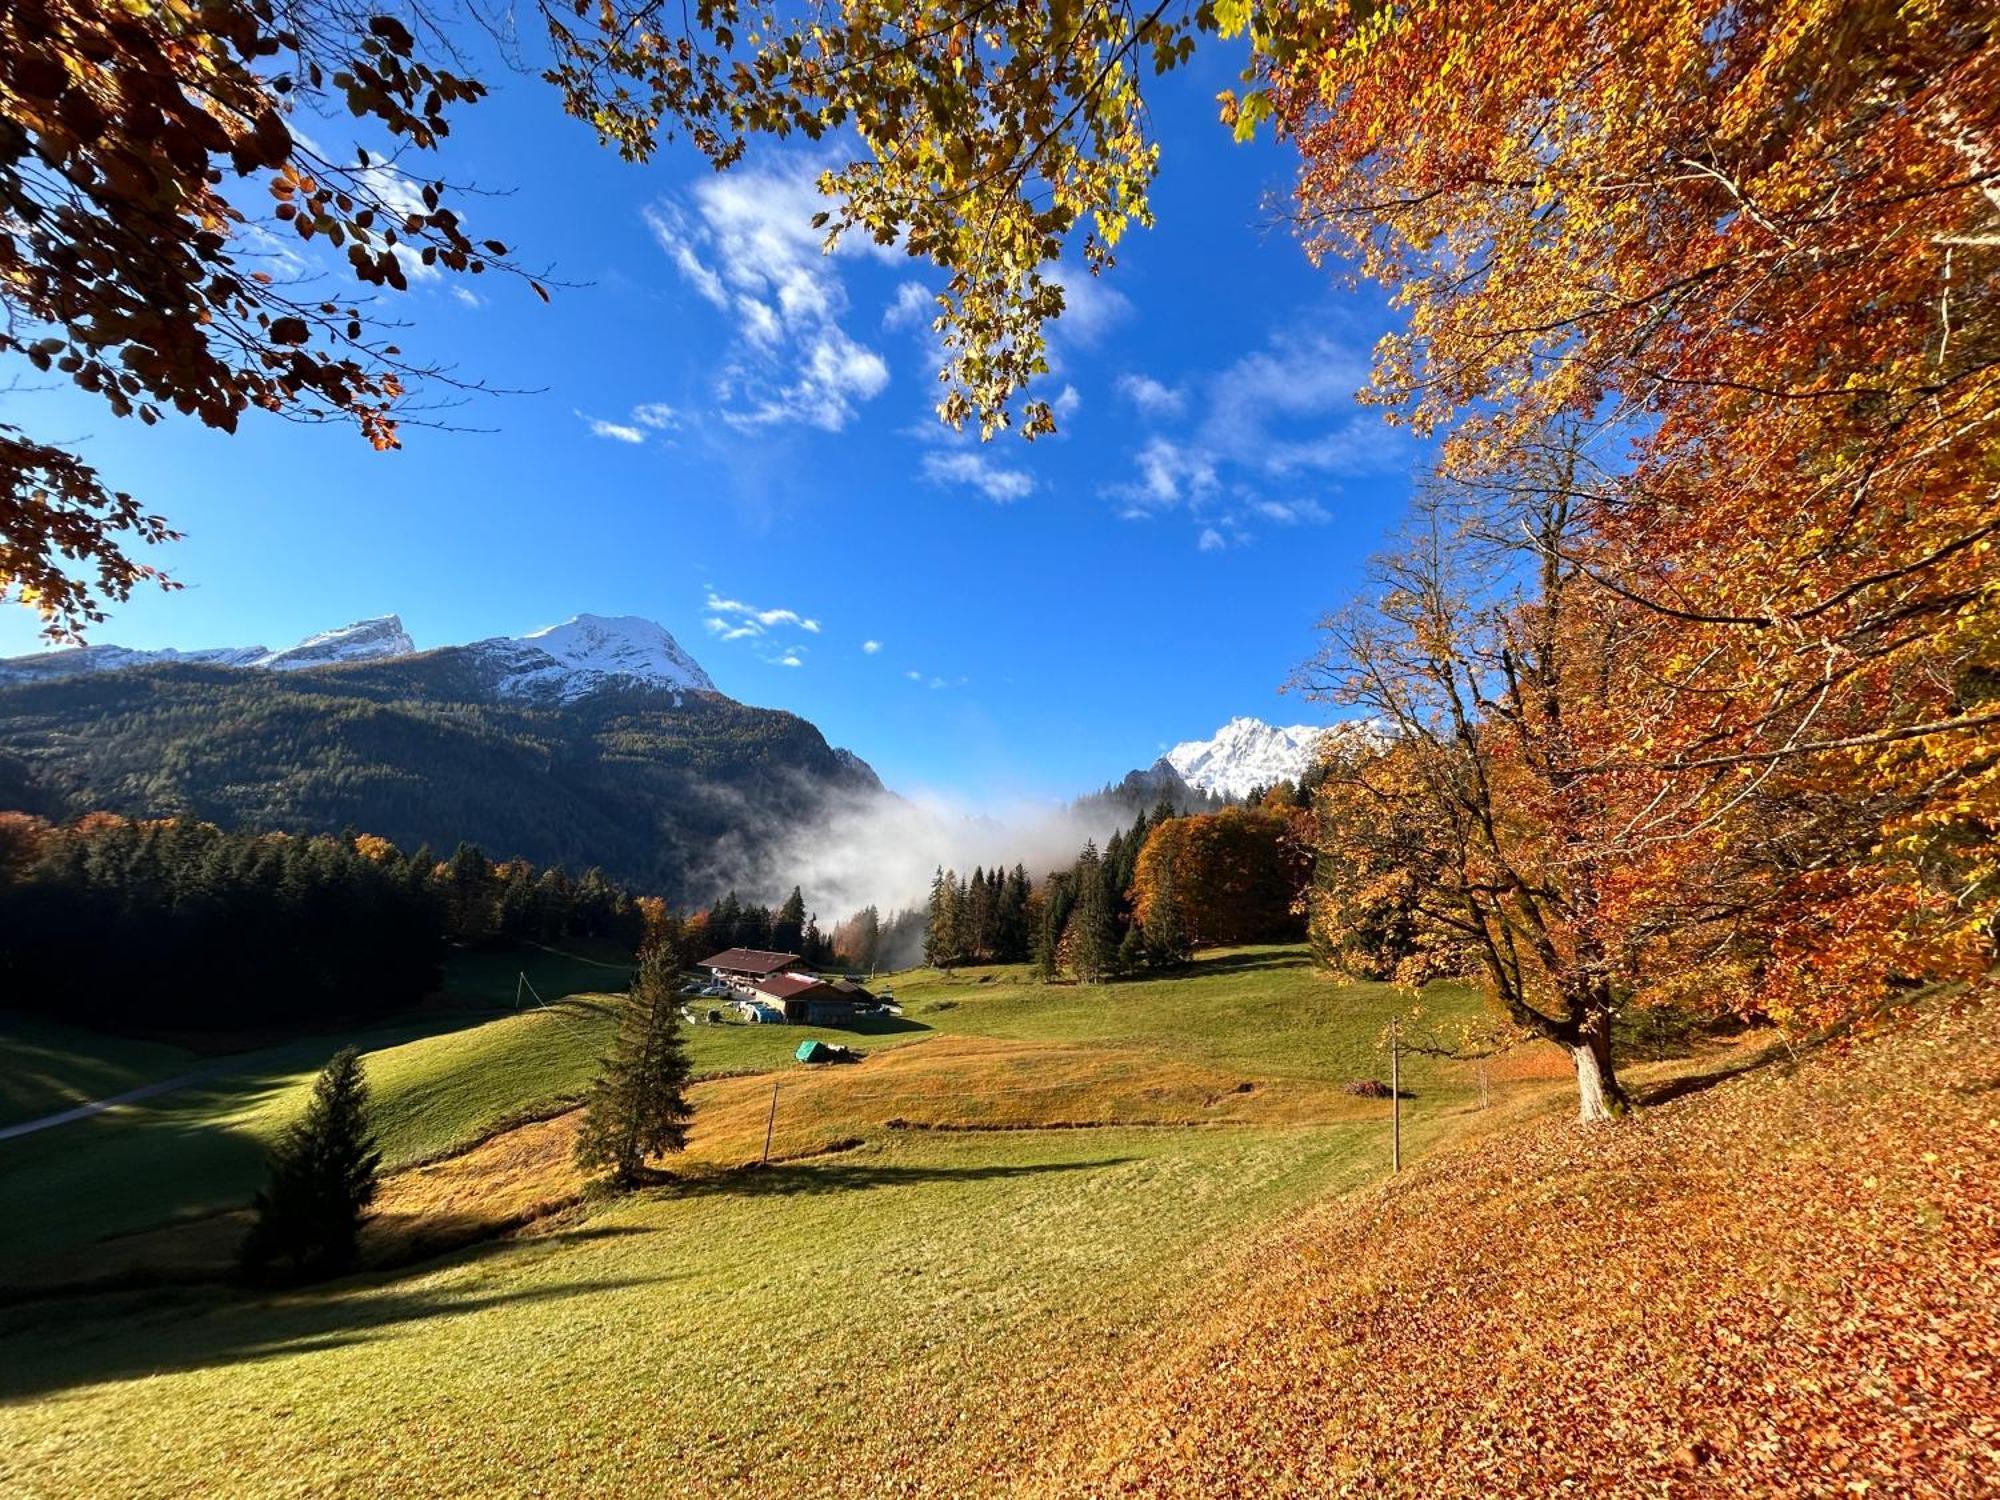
x=630 y=780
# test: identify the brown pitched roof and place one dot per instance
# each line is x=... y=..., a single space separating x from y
x=750 y=961
x=788 y=986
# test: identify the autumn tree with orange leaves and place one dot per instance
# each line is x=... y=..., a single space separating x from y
x=1749 y=253
x=151 y=181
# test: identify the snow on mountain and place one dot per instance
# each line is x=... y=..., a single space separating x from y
x=560 y=663
x=581 y=655
x=364 y=640
x=47 y=666
x=1245 y=754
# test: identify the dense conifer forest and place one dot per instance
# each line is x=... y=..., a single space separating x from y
x=643 y=783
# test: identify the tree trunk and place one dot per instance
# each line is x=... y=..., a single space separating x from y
x=1599 y=1095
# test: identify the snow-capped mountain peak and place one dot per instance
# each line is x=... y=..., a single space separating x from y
x=560 y=663
x=364 y=640
x=1245 y=754
x=588 y=652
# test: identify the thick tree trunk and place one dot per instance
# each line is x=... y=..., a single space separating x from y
x=1599 y=1095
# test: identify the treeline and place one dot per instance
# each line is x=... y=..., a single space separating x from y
x=174 y=924
x=1156 y=891
x=870 y=941
x=733 y=923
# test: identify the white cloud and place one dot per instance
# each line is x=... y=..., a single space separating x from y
x=618 y=431
x=1285 y=413
x=1168 y=473
x=790 y=659
x=467 y=296
x=670 y=229
x=401 y=195
x=1292 y=512
x=733 y=619
x=996 y=482
x=913 y=307
x=746 y=245
x=914 y=676
x=1092 y=307
x=657 y=415
x=1066 y=403
x=869 y=648
x=1152 y=398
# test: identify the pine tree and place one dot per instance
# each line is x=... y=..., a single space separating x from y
x=638 y=1106
x=1166 y=931
x=1058 y=895
x=322 y=1179
x=1132 y=950
x=1093 y=936
x=788 y=928
x=934 y=923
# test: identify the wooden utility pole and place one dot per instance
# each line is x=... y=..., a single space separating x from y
x=770 y=1125
x=1395 y=1096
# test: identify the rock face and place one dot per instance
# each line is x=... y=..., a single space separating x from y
x=1243 y=755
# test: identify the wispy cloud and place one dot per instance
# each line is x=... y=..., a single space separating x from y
x=657 y=415
x=1092 y=307
x=745 y=243
x=1151 y=397
x=617 y=431
x=467 y=296
x=995 y=481
x=869 y=648
x=772 y=631
x=759 y=619
x=1283 y=417
x=1066 y=403
x=913 y=306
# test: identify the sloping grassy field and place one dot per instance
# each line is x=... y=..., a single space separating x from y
x=46 y=1067
x=442 y=1077
x=970 y=1244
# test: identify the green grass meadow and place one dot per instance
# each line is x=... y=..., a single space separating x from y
x=921 y=1312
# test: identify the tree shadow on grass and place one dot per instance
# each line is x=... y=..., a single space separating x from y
x=55 y=1345
x=881 y=1025
x=1239 y=963
x=1698 y=1083
x=822 y=1177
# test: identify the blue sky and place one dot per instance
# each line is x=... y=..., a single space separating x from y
x=713 y=411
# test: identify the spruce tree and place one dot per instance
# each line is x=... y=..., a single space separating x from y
x=1166 y=930
x=638 y=1106
x=1132 y=950
x=322 y=1179
x=788 y=928
x=1093 y=935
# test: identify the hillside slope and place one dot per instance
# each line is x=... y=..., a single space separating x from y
x=1787 y=1284
x=673 y=792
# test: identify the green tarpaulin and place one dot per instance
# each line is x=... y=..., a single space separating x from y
x=812 y=1051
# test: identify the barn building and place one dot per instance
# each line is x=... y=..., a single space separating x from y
x=746 y=968
x=806 y=999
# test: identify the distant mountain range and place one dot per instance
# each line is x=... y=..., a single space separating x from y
x=561 y=663
x=599 y=741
